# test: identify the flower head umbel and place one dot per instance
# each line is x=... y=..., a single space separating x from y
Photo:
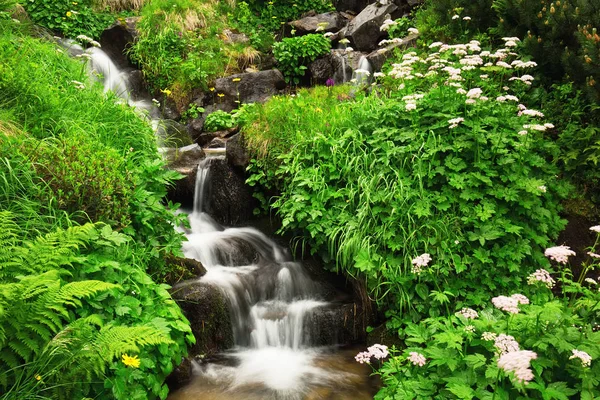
x=468 y=313
x=510 y=304
x=378 y=351
x=595 y=228
x=132 y=361
x=417 y=359
x=420 y=262
x=505 y=343
x=518 y=362
x=585 y=358
x=560 y=254
x=543 y=276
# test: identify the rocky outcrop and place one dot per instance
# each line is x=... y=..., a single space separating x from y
x=335 y=324
x=338 y=65
x=196 y=126
x=354 y=6
x=330 y=22
x=377 y=58
x=208 y=312
x=116 y=40
x=236 y=152
x=251 y=87
x=364 y=30
x=184 y=160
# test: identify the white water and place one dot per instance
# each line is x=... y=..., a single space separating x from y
x=270 y=298
x=364 y=71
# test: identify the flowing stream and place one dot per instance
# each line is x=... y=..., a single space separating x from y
x=274 y=308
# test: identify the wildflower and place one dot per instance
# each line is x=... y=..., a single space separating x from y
x=38 y=378
x=593 y=255
x=503 y=65
x=468 y=313
x=520 y=298
x=212 y=89
x=344 y=41
x=132 y=361
x=455 y=17
x=474 y=93
x=585 y=358
x=595 y=228
x=378 y=74
x=501 y=99
x=78 y=85
x=220 y=94
x=328 y=34
x=410 y=106
x=470 y=101
x=387 y=24
x=511 y=97
x=417 y=358
x=510 y=304
x=454 y=122
x=590 y=281
x=466 y=18
x=536 y=127
x=542 y=188
x=489 y=336
x=166 y=91
x=420 y=261
x=156 y=102
x=413 y=30
x=362 y=71
x=543 y=276
x=379 y=351
x=435 y=44
x=518 y=362
x=533 y=113
x=522 y=133
x=236 y=79
x=548 y=125
x=329 y=82
x=349 y=49
x=461 y=91
x=363 y=357
x=560 y=254
x=470 y=329
x=484 y=76
x=69 y=14
x=505 y=344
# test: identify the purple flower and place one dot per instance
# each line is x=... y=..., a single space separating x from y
x=330 y=82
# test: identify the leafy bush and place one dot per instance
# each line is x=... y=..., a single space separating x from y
x=464 y=354
x=420 y=170
x=294 y=54
x=219 y=120
x=71 y=18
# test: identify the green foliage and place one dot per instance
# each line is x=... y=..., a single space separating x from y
x=375 y=185
x=71 y=18
x=294 y=54
x=83 y=286
x=193 y=111
x=462 y=359
x=400 y=28
x=219 y=120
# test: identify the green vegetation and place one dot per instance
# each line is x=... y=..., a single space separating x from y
x=83 y=232
x=294 y=54
x=219 y=120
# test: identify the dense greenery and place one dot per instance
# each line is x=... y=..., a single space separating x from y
x=294 y=54
x=83 y=226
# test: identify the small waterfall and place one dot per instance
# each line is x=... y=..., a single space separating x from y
x=364 y=71
x=271 y=299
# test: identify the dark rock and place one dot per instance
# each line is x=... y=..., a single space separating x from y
x=321 y=69
x=184 y=160
x=414 y=3
x=338 y=64
x=181 y=375
x=180 y=269
x=331 y=21
x=236 y=152
x=251 y=87
x=217 y=143
x=334 y=324
x=205 y=139
x=173 y=134
x=169 y=109
x=116 y=40
x=377 y=58
x=354 y=6
x=208 y=312
x=364 y=30
x=230 y=201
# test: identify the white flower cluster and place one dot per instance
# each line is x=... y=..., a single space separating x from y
x=489 y=336
x=417 y=359
x=420 y=262
x=560 y=254
x=89 y=40
x=378 y=351
x=510 y=304
x=387 y=24
x=585 y=358
x=595 y=228
x=455 y=121
x=543 y=276
x=518 y=362
x=468 y=313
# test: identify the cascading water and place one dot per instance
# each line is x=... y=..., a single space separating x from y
x=271 y=300
x=363 y=73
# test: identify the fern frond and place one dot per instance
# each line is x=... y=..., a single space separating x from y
x=113 y=341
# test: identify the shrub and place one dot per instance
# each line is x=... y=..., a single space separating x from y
x=219 y=120
x=294 y=54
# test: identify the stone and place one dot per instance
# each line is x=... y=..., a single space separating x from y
x=334 y=324
x=364 y=32
x=331 y=21
x=378 y=57
x=184 y=160
x=236 y=152
x=321 y=69
x=207 y=309
x=230 y=37
x=249 y=87
x=354 y=6
x=181 y=268
x=117 y=39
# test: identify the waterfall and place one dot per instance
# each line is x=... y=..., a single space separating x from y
x=272 y=300
x=363 y=73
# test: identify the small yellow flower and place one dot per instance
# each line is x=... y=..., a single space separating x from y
x=166 y=91
x=221 y=95
x=74 y=3
x=69 y=14
x=38 y=378
x=270 y=3
x=318 y=110
x=212 y=89
x=274 y=17
x=133 y=361
x=236 y=79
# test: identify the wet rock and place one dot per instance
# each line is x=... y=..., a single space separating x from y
x=334 y=324
x=230 y=201
x=331 y=21
x=181 y=269
x=217 y=142
x=184 y=160
x=354 y=6
x=236 y=151
x=218 y=137
x=181 y=375
x=251 y=87
x=208 y=312
x=364 y=30
x=338 y=64
x=116 y=40
x=321 y=69
x=135 y=83
x=377 y=58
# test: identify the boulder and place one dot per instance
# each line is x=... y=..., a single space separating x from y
x=334 y=324
x=207 y=309
x=236 y=152
x=338 y=64
x=331 y=21
x=377 y=58
x=250 y=87
x=321 y=69
x=184 y=160
x=364 y=32
x=180 y=269
x=117 y=38
x=354 y=6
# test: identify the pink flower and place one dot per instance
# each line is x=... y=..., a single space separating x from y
x=379 y=351
x=559 y=254
x=420 y=262
x=543 y=276
x=468 y=313
x=505 y=344
x=363 y=357
x=585 y=358
x=518 y=362
x=417 y=359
